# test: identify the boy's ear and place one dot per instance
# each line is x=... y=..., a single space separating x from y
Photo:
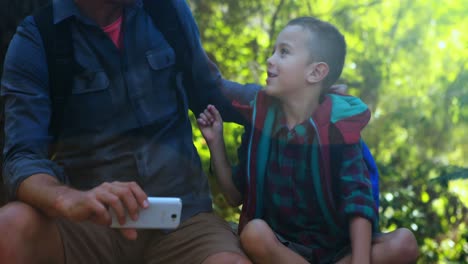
x=318 y=71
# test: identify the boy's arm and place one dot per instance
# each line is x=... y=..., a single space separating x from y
x=357 y=202
x=211 y=126
x=360 y=234
x=223 y=171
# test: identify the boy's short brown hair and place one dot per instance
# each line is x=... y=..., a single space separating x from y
x=327 y=45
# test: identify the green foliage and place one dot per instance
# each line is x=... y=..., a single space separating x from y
x=408 y=60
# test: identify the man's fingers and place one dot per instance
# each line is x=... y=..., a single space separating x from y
x=130 y=233
x=100 y=213
x=340 y=88
x=130 y=201
x=126 y=196
x=114 y=202
x=137 y=193
x=123 y=197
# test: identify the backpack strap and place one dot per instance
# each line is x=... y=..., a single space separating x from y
x=165 y=18
x=336 y=157
x=58 y=46
x=373 y=171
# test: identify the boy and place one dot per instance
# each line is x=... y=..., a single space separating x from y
x=302 y=180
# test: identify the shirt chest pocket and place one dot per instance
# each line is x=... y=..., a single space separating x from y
x=159 y=100
x=89 y=104
x=161 y=59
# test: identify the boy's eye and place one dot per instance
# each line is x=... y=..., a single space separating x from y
x=283 y=51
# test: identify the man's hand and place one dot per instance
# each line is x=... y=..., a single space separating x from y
x=93 y=205
x=339 y=88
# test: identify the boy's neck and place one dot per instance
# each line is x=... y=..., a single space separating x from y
x=298 y=109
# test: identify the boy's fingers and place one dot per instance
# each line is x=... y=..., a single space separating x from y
x=208 y=115
x=215 y=112
x=204 y=118
x=201 y=121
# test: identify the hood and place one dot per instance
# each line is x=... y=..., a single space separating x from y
x=347 y=113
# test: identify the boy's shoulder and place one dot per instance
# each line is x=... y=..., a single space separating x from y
x=344 y=106
x=348 y=114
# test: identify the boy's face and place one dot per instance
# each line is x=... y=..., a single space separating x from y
x=289 y=65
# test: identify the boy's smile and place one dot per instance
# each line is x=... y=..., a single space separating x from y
x=270 y=76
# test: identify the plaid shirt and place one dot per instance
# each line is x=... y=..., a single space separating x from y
x=288 y=190
x=290 y=199
x=292 y=210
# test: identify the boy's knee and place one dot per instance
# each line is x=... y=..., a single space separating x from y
x=406 y=244
x=257 y=237
x=254 y=231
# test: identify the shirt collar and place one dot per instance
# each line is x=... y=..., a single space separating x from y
x=64 y=9
x=280 y=122
x=281 y=125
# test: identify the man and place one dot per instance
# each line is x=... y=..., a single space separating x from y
x=125 y=136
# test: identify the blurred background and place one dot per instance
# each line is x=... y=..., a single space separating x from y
x=407 y=59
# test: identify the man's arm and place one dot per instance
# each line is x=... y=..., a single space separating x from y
x=203 y=81
x=27 y=110
x=233 y=91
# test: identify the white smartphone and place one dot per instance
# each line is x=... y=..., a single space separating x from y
x=162 y=213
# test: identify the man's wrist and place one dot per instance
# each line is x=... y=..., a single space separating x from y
x=41 y=191
x=59 y=204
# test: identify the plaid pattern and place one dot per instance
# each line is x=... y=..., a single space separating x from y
x=301 y=195
x=288 y=186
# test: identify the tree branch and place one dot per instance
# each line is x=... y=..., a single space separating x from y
x=274 y=19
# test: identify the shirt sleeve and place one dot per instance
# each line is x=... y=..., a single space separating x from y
x=205 y=82
x=356 y=188
x=25 y=93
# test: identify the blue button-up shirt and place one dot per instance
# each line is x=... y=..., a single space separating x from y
x=126 y=118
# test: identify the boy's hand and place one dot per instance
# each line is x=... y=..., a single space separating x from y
x=211 y=124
